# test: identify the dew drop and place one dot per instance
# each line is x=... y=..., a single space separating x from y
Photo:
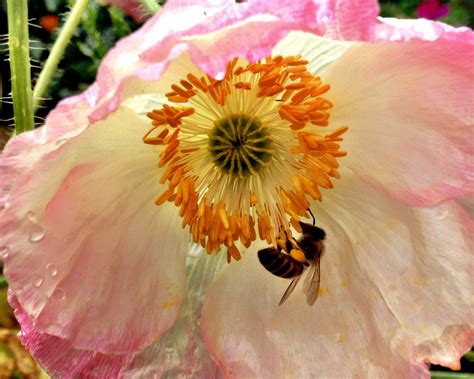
x=4 y=252
x=52 y=270
x=36 y=231
x=36 y=235
x=58 y=294
x=30 y=216
x=38 y=282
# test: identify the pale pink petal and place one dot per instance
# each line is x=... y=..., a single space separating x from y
x=227 y=32
x=395 y=287
x=394 y=29
x=421 y=262
x=21 y=153
x=61 y=359
x=86 y=244
x=350 y=20
x=215 y=31
x=212 y=32
x=181 y=351
x=410 y=122
x=320 y=52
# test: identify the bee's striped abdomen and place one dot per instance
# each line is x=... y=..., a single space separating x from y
x=279 y=263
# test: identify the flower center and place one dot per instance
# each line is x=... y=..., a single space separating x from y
x=240 y=145
x=242 y=155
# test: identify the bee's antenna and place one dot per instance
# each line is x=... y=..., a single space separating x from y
x=312 y=215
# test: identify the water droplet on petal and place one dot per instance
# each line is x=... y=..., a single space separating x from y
x=58 y=294
x=52 y=270
x=34 y=230
x=38 y=282
x=37 y=234
x=30 y=216
x=4 y=252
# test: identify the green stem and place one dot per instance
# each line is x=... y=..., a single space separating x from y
x=150 y=6
x=18 y=41
x=450 y=375
x=57 y=51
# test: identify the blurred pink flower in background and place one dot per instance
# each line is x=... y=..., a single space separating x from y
x=106 y=283
x=131 y=7
x=432 y=9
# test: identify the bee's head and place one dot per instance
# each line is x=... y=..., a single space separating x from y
x=312 y=231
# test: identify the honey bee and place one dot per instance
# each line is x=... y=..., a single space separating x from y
x=294 y=258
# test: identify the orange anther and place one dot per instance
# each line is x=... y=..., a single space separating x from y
x=197 y=83
x=298 y=63
x=178 y=99
x=186 y=84
x=338 y=132
x=243 y=85
x=320 y=90
x=164 y=196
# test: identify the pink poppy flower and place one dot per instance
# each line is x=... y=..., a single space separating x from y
x=106 y=281
x=432 y=9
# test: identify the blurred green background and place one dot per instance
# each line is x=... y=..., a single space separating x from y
x=100 y=27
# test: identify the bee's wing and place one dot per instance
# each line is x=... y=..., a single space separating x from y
x=290 y=289
x=311 y=282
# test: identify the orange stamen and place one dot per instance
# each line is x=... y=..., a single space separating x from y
x=298 y=106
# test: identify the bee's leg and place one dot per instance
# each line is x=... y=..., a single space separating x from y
x=287 y=245
x=312 y=215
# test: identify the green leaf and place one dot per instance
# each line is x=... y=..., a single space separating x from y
x=3 y=282
x=52 y=5
x=119 y=22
